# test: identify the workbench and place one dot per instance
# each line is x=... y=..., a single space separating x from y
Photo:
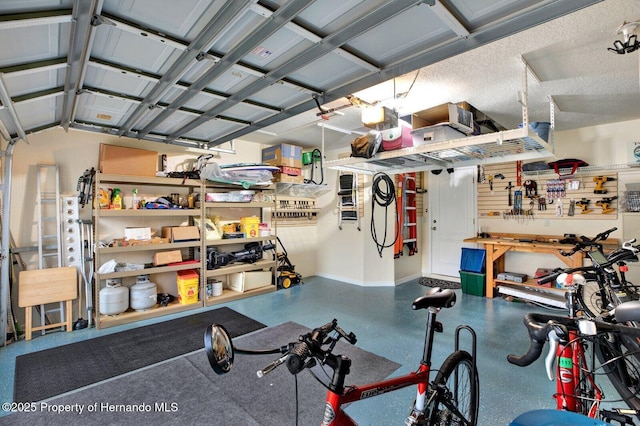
x=497 y=245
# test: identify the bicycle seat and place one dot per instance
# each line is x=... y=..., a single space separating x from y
x=435 y=298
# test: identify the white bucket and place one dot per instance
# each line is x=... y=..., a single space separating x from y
x=217 y=288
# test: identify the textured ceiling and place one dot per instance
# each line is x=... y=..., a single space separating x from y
x=202 y=72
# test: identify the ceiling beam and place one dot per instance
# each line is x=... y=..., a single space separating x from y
x=8 y=103
x=34 y=67
x=31 y=19
x=429 y=56
x=79 y=48
x=276 y=21
x=324 y=46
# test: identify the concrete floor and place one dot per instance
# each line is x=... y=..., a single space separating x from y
x=385 y=324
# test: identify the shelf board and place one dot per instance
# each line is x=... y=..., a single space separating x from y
x=240 y=205
x=297 y=210
x=228 y=241
x=240 y=267
x=233 y=187
x=532 y=283
x=157 y=311
x=148 y=271
x=229 y=295
x=148 y=247
x=147 y=180
x=307 y=190
x=533 y=292
x=146 y=212
x=498 y=147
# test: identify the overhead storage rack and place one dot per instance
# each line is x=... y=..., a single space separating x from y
x=490 y=148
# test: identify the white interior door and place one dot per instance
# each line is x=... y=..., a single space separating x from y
x=452 y=213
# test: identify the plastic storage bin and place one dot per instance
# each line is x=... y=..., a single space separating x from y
x=188 y=283
x=244 y=281
x=472 y=260
x=472 y=283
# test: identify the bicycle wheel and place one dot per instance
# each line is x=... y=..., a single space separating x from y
x=589 y=298
x=457 y=392
x=620 y=356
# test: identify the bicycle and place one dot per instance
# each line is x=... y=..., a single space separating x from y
x=605 y=287
x=604 y=290
x=451 y=399
x=569 y=338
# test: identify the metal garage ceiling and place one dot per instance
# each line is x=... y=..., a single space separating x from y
x=203 y=72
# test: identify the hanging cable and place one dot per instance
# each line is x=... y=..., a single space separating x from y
x=383 y=196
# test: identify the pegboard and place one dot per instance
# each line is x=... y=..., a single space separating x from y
x=494 y=203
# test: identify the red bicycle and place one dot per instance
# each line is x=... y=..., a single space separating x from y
x=569 y=360
x=451 y=399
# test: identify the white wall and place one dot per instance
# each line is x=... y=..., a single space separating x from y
x=352 y=256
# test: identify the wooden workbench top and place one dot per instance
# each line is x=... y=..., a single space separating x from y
x=534 y=240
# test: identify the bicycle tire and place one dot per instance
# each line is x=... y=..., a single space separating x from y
x=456 y=385
x=624 y=371
x=589 y=298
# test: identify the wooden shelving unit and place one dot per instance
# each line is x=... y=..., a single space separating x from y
x=109 y=224
x=234 y=211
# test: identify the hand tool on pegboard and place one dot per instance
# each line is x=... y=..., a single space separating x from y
x=519 y=173
x=605 y=204
x=600 y=181
x=509 y=188
x=584 y=203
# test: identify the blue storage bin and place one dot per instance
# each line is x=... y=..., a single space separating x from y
x=472 y=260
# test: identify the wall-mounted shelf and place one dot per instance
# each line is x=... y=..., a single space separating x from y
x=307 y=190
x=490 y=148
x=585 y=169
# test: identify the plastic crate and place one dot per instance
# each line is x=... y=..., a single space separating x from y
x=472 y=283
x=472 y=260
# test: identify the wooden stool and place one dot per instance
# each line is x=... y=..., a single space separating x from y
x=42 y=286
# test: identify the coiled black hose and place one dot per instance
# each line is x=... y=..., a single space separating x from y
x=383 y=196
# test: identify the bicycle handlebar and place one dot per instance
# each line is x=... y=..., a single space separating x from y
x=589 y=242
x=309 y=345
x=540 y=325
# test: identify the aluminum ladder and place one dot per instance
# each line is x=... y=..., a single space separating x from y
x=49 y=225
x=348 y=202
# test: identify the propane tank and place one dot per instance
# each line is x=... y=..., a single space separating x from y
x=114 y=298
x=144 y=294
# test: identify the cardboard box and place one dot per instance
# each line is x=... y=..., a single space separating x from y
x=453 y=115
x=290 y=171
x=437 y=133
x=283 y=155
x=121 y=160
x=131 y=233
x=166 y=257
x=181 y=234
x=244 y=281
x=279 y=177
